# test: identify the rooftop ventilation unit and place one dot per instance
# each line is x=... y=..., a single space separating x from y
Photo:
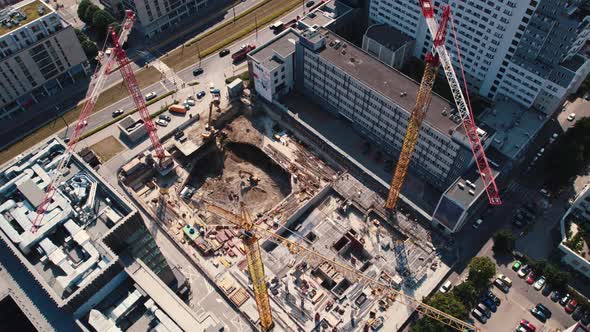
x=461 y=186
x=471 y=192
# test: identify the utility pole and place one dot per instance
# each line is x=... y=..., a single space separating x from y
x=199 y=53
x=234 y=10
x=256 y=22
x=303 y=6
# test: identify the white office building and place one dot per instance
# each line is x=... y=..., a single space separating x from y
x=527 y=50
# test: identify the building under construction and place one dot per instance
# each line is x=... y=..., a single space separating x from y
x=294 y=191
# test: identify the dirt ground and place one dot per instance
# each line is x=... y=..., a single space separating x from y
x=183 y=57
x=240 y=164
x=107 y=148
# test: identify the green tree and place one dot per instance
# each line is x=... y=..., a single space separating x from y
x=101 y=20
x=481 y=270
x=447 y=303
x=466 y=293
x=82 y=7
x=504 y=242
x=89 y=13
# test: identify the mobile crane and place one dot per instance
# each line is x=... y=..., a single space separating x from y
x=251 y=234
x=118 y=55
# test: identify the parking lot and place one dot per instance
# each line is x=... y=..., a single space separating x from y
x=517 y=303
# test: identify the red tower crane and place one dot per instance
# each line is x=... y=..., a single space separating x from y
x=463 y=106
x=96 y=84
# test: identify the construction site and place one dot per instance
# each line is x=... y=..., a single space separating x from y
x=295 y=196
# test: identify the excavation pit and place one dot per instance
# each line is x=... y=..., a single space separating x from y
x=220 y=174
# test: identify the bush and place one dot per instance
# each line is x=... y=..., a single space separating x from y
x=82 y=7
x=89 y=13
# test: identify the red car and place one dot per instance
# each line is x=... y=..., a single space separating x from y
x=527 y=325
x=570 y=307
x=530 y=279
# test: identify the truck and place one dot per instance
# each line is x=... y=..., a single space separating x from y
x=180 y=109
x=241 y=53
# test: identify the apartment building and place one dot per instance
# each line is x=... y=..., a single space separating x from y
x=155 y=16
x=574 y=245
x=40 y=56
x=526 y=50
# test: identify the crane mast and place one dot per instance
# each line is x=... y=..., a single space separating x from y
x=463 y=108
x=96 y=85
x=417 y=116
x=315 y=257
x=254 y=259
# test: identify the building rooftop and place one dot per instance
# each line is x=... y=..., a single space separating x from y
x=387 y=36
x=514 y=126
x=21 y=14
x=390 y=83
x=325 y=14
x=282 y=46
x=66 y=251
x=469 y=187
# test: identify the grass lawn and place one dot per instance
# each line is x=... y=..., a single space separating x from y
x=228 y=32
x=145 y=77
x=107 y=148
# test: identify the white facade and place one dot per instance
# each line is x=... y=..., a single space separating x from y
x=580 y=211
x=489 y=34
x=37 y=59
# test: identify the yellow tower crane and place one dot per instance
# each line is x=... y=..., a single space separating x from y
x=255 y=265
x=256 y=270
x=418 y=113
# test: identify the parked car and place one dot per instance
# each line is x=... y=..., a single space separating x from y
x=479 y=316
x=571 y=306
x=516 y=265
x=571 y=117
x=224 y=52
x=477 y=223
x=556 y=296
x=520 y=329
x=484 y=310
x=150 y=96
x=197 y=71
x=501 y=285
x=586 y=318
x=190 y=102
x=490 y=295
x=505 y=279
x=524 y=271
x=117 y=113
x=578 y=313
x=565 y=299
x=490 y=304
x=445 y=287
x=162 y=122
x=547 y=290
x=530 y=279
x=539 y=283
x=527 y=325
x=540 y=315
x=544 y=309
x=165 y=117
x=201 y=94
x=309 y=4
